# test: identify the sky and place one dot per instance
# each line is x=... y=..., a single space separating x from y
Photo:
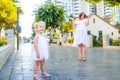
x=28 y=6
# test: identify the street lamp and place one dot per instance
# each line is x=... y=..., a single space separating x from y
x=17 y=27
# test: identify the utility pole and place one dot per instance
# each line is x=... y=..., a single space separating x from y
x=17 y=27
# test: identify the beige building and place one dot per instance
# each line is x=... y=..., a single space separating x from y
x=97 y=26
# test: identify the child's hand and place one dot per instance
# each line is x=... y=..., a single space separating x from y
x=37 y=55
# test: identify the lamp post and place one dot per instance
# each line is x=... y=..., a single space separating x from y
x=17 y=27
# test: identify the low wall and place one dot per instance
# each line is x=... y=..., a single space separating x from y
x=5 y=52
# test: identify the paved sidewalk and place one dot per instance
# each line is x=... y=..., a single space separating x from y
x=63 y=64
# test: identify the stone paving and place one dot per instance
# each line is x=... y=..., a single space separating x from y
x=63 y=64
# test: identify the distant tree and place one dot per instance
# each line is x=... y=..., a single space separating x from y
x=110 y=18
x=118 y=25
x=52 y=14
x=33 y=29
x=111 y=2
x=67 y=27
x=8 y=14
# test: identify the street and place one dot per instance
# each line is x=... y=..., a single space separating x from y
x=63 y=64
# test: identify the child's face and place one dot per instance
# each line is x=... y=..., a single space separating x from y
x=40 y=28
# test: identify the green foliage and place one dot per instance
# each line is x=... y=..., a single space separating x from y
x=110 y=18
x=67 y=27
x=56 y=35
x=97 y=42
x=111 y=41
x=3 y=41
x=110 y=2
x=114 y=42
x=8 y=14
x=70 y=40
x=94 y=40
x=93 y=1
x=118 y=25
x=33 y=29
x=14 y=0
x=52 y=14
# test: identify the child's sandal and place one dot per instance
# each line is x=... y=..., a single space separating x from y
x=84 y=59
x=37 y=77
x=46 y=74
x=80 y=59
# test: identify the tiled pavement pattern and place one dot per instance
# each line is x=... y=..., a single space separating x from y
x=63 y=64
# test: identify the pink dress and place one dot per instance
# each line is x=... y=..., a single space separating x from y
x=80 y=33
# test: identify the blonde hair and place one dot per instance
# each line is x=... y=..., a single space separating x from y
x=36 y=24
x=40 y=22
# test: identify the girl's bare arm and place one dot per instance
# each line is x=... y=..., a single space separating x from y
x=36 y=46
x=87 y=22
x=73 y=21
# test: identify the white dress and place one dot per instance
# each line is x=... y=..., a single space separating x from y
x=42 y=48
x=80 y=33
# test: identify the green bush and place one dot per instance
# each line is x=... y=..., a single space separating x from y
x=56 y=35
x=111 y=40
x=116 y=43
x=100 y=41
x=97 y=42
x=3 y=41
x=94 y=40
x=70 y=40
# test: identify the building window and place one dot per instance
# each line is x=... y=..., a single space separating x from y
x=112 y=33
x=94 y=20
x=100 y=33
x=88 y=32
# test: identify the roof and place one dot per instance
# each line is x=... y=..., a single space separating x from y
x=104 y=21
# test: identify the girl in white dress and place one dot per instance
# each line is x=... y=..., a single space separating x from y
x=80 y=38
x=40 y=52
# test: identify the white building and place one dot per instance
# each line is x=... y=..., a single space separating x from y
x=105 y=10
x=117 y=14
x=97 y=26
x=75 y=7
x=100 y=9
x=68 y=7
x=91 y=8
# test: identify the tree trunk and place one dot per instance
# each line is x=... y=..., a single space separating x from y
x=1 y=26
x=0 y=35
x=51 y=35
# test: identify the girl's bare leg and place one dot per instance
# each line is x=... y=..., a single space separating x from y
x=80 y=51
x=36 y=76
x=42 y=67
x=83 y=51
x=36 y=65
